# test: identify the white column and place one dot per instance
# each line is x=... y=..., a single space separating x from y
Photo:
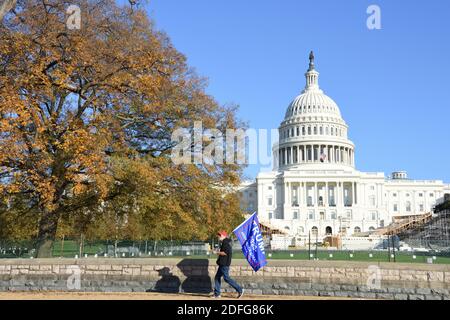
x=292 y=155
x=329 y=154
x=306 y=193
x=353 y=194
x=316 y=195
x=338 y=194
x=333 y=155
x=300 y=194
x=286 y=193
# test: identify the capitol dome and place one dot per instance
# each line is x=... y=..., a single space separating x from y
x=313 y=102
x=313 y=131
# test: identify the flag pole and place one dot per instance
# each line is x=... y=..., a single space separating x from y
x=309 y=245
x=317 y=240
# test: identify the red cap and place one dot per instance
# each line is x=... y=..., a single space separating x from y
x=222 y=233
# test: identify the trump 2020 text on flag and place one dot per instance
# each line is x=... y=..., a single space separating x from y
x=250 y=237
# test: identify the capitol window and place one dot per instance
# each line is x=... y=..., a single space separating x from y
x=421 y=208
x=295 y=215
x=309 y=130
x=431 y=194
x=394 y=194
x=269 y=187
x=421 y=194
x=311 y=215
x=269 y=201
x=303 y=131
x=395 y=207
x=408 y=206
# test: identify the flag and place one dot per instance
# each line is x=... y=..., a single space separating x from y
x=252 y=243
x=323 y=157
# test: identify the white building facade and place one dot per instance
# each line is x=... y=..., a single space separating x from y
x=315 y=187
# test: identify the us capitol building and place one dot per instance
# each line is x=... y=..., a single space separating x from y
x=315 y=187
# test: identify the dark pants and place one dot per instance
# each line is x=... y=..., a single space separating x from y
x=223 y=272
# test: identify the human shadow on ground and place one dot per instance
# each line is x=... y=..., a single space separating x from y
x=168 y=283
x=197 y=276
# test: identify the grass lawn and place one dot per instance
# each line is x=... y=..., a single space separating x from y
x=71 y=248
x=377 y=256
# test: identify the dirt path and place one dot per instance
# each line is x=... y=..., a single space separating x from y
x=139 y=296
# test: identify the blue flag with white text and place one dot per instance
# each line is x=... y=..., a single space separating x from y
x=250 y=237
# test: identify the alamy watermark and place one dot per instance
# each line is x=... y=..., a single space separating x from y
x=197 y=145
x=74 y=280
x=374 y=20
x=374 y=278
x=73 y=21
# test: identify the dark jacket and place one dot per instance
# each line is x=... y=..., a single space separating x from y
x=225 y=247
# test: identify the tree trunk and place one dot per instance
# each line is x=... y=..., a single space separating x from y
x=47 y=233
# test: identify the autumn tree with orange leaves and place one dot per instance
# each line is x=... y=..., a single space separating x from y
x=86 y=117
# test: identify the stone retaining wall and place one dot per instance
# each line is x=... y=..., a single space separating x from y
x=284 y=277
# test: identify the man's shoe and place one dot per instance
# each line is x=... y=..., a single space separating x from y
x=240 y=294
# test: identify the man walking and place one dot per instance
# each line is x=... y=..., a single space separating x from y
x=224 y=262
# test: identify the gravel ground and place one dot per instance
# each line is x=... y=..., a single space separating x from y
x=140 y=296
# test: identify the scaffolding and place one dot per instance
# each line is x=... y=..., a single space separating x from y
x=434 y=235
x=403 y=224
x=430 y=230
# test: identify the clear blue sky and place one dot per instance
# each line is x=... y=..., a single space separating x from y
x=392 y=85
